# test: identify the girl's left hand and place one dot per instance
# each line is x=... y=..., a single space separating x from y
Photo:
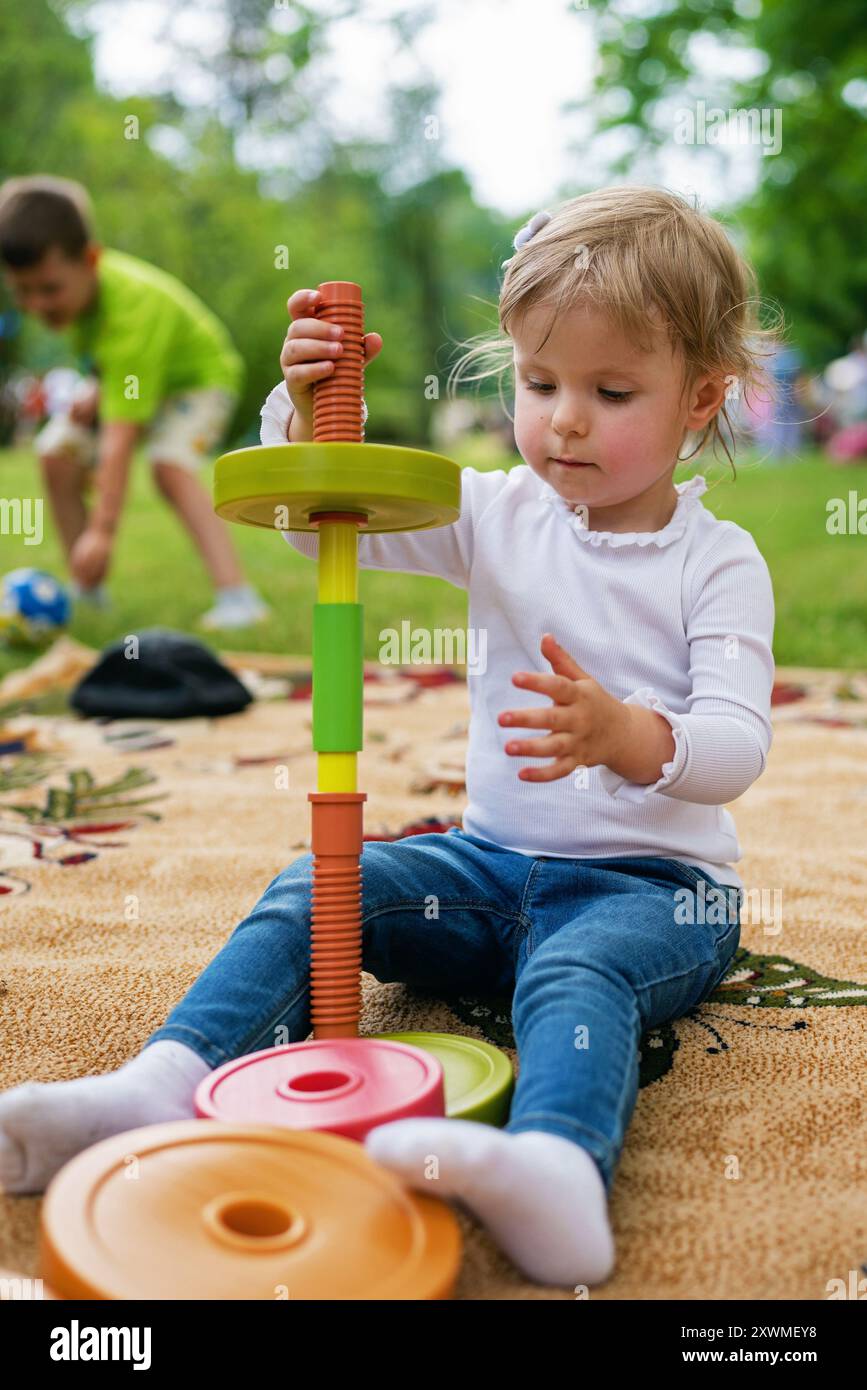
x=589 y=724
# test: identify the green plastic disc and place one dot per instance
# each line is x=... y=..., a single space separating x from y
x=278 y=486
x=478 y=1077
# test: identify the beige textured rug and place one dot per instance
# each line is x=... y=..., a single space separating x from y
x=745 y=1168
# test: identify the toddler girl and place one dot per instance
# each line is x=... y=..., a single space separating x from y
x=625 y=701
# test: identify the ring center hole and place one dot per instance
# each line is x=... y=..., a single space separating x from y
x=318 y=1081
x=256 y=1218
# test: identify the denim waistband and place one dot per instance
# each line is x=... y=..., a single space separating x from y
x=647 y=865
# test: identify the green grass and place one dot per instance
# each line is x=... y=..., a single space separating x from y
x=820 y=580
x=157 y=579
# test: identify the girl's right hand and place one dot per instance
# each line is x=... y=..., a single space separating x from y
x=310 y=350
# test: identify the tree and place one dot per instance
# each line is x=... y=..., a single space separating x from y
x=803 y=222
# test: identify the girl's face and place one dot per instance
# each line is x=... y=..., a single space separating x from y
x=592 y=397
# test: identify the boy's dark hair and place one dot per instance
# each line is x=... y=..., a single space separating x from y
x=39 y=212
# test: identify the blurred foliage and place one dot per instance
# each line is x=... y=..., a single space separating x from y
x=419 y=252
x=215 y=186
x=809 y=62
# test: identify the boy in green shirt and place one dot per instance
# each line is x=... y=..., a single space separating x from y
x=165 y=364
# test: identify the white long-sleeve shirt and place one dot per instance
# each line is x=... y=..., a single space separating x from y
x=678 y=620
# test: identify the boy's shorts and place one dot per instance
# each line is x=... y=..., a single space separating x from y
x=184 y=431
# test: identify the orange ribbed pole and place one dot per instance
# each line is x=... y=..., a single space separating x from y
x=335 y=917
x=337 y=825
x=337 y=400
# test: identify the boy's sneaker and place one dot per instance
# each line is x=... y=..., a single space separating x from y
x=96 y=597
x=238 y=606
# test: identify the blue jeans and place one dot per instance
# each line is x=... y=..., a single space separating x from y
x=597 y=952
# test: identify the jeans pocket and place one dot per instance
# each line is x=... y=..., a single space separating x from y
x=687 y=874
x=727 y=946
x=717 y=904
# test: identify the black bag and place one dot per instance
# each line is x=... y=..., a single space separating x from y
x=161 y=674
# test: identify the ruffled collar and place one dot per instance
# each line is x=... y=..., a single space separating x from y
x=688 y=494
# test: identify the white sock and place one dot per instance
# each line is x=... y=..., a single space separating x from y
x=541 y=1197
x=97 y=595
x=237 y=592
x=42 y=1125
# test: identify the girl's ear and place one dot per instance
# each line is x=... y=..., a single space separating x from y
x=706 y=395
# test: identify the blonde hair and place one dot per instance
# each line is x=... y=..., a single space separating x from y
x=632 y=253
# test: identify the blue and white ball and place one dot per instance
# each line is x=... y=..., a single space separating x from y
x=34 y=608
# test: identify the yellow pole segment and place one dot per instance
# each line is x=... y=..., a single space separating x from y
x=338 y=583
x=338 y=562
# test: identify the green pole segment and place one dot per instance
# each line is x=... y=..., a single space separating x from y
x=338 y=676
